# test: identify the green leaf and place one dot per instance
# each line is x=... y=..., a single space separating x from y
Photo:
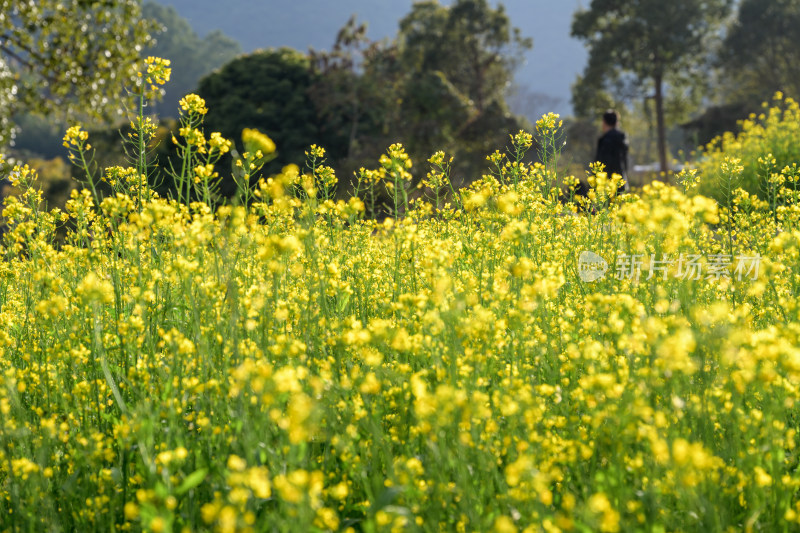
x=342 y=304
x=191 y=481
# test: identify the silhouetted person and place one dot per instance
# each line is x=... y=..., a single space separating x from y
x=612 y=148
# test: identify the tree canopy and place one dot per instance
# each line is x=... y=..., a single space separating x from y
x=760 y=54
x=646 y=48
x=472 y=44
x=68 y=57
x=758 y=58
x=459 y=61
x=354 y=93
x=267 y=90
x=440 y=84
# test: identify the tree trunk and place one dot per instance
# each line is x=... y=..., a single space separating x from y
x=660 y=128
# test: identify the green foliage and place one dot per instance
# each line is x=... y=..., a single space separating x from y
x=472 y=44
x=441 y=83
x=761 y=55
x=111 y=152
x=458 y=61
x=758 y=58
x=644 y=38
x=193 y=57
x=267 y=91
x=766 y=144
x=69 y=58
x=355 y=93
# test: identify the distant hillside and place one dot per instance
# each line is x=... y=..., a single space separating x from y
x=544 y=79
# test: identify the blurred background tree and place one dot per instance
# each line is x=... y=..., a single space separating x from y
x=472 y=44
x=757 y=58
x=459 y=62
x=67 y=59
x=267 y=90
x=355 y=94
x=761 y=53
x=648 y=49
x=440 y=84
x=191 y=57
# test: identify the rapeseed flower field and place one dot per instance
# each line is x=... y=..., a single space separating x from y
x=491 y=359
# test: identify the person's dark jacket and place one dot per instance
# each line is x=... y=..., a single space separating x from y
x=612 y=151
